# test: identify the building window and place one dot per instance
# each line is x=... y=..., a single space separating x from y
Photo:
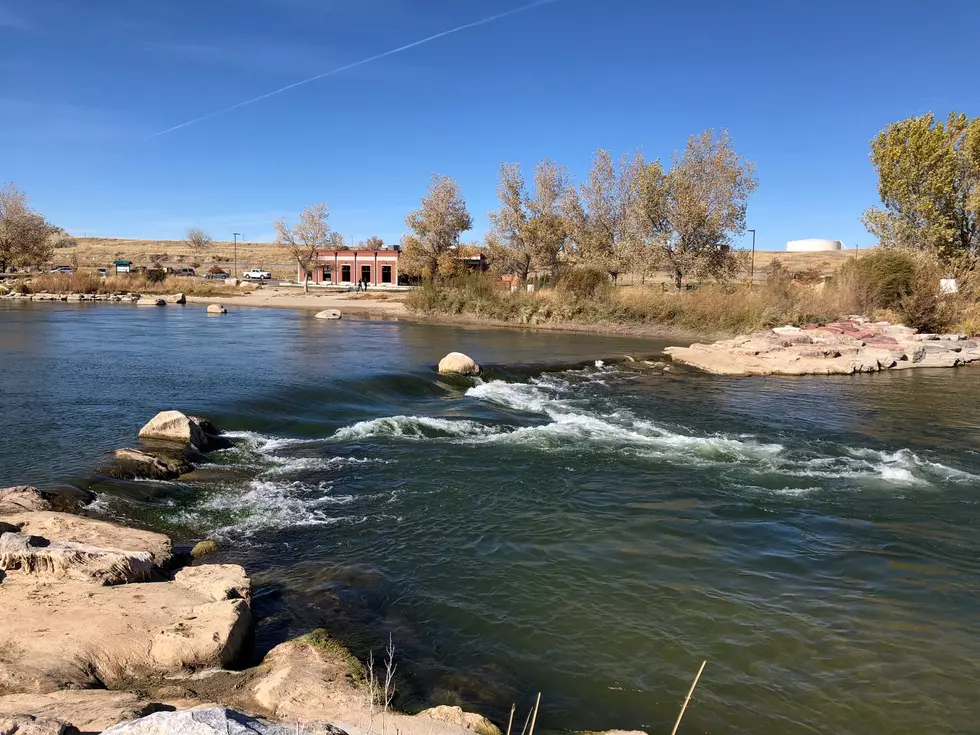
x=345 y=273
x=326 y=273
x=365 y=273
x=386 y=274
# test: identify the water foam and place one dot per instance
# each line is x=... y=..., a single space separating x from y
x=412 y=427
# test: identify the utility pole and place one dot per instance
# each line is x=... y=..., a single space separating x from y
x=752 y=266
x=236 y=235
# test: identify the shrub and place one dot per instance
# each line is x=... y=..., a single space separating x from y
x=585 y=284
x=879 y=280
x=156 y=275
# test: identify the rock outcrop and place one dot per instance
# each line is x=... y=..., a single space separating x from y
x=22 y=498
x=174 y=426
x=31 y=725
x=845 y=347
x=456 y=363
x=329 y=314
x=45 y=559
x=466 y=720
x=89 y=710
x=213 y=721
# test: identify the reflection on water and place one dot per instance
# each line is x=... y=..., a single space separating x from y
x=592 y=533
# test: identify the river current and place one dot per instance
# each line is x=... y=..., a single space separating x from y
x=571 y=522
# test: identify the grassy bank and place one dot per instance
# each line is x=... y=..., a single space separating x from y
x=887 y=285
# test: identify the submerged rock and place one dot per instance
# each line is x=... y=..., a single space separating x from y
x=130 y=464
x=203 y=548
x=456 y=363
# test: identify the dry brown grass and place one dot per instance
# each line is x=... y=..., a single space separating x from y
x=88 y=282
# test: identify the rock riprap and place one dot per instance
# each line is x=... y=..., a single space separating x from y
x=456 y=363
x=845 y=347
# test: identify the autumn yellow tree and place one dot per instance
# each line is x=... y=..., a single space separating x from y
x=929 y=183
x=707 y=193
x=429 y=250
x=26 y=237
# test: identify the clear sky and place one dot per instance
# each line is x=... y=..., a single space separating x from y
x=802 y=86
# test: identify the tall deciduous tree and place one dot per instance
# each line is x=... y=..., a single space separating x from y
x=25 y=236
x=310 y=234
x=373 y=243
x=597 y=214
x=648 y=225
x=512 y=250
x=436 y=227
x=529 y=231
x=929 y=182
x=708 y=188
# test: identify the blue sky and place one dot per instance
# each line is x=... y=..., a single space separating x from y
x=802 y=86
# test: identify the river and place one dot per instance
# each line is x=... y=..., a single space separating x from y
x=589 y=531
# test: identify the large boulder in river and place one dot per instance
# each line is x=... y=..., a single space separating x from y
x=173 y=426
x=456 y=363
x=329 y=314
x=216 y=309
x=175 y=298
x=150 y=301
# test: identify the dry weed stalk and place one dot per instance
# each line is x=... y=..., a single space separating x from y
x=688 y=698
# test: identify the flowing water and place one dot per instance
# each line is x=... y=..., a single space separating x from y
x=591 y=531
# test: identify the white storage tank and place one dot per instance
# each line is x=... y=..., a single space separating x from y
x=813 y=245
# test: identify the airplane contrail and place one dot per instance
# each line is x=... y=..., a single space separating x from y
x=362 y=62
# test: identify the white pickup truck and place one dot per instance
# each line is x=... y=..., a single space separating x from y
x=256 y=274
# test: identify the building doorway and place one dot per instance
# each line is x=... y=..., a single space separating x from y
x=366 y=273
x=386 y=274
x=345 y=273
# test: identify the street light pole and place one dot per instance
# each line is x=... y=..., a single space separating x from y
x=236 y=235
x=752 y=266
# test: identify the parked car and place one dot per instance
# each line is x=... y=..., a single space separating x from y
x=103 y=272
x=186 y=273
x=66 y=269
x=220 y=275
x=256 y=274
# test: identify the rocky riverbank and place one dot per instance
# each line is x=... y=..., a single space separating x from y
x=104 y=624
x=849 y=346
x=139 y=299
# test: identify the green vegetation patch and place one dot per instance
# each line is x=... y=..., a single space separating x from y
x=321 y=640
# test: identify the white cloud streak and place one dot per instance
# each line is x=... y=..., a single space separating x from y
x=354 y=65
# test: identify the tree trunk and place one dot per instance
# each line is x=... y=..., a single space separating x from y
x=678 y=277
x=306 y=281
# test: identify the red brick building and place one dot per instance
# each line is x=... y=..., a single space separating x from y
x=343 y=267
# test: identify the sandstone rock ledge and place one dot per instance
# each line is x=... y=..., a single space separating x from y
x=846 y=347
x=96 y=636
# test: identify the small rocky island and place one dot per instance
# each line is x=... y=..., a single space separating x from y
x=105 y=626
x=845 y=347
